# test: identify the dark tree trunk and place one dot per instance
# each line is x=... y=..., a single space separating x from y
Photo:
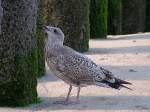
x=41 y=38
x=1 y=14
x=133 y=14
x=72 y=16
x=147 y=23
x=98 y=18
x=114 y=17
x=18 y=54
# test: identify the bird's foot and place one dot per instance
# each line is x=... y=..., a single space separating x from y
x=68 y=102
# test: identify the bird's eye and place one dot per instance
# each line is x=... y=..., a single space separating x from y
x=55 y=31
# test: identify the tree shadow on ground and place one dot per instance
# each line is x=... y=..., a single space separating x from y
x=129 y=37
x=97 y=103
x=108 y=103
x=119 y=50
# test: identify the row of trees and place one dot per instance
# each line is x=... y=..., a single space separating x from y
x=81 y=20
x=118 y=17
x=22 y=42
x=21 y=52
x=22 y=36
x=72 y=16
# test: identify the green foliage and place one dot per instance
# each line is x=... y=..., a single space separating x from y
x=22 y=92
x=114 y=17
x=40 y=39
x=133 y=16
x=98 y=18
x=147 y=23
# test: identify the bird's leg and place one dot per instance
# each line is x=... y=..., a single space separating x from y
x=78 y=94
x=77 y=101
x=68 y=95
x=66 y=101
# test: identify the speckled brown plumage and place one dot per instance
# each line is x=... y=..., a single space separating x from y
x=74 y=68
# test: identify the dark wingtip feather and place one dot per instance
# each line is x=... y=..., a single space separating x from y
x=119 y=81
x=117 y=84
x=126 y=87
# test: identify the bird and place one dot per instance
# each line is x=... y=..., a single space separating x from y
x=74 y=68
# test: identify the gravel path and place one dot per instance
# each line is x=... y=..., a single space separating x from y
x=126 y=56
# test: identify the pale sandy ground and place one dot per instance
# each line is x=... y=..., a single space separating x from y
x=126 y=56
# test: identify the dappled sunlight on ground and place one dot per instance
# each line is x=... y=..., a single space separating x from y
x=128 y=57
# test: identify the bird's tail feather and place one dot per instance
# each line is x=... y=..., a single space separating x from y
x=122 y=81
x=118 y=84
x=125 y=87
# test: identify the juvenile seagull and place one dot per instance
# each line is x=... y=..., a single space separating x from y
x=74 y=68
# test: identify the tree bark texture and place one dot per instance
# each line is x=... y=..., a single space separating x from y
x=1 y=14
x=40 y=37
x=18 y=53
x=147 y=23
x=98 y=18
x=114 y=17
x=72 y=16
x=133 y=14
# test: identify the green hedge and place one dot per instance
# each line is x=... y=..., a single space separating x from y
x=147 y=23
x=133 y=16
x=114 y=17
x=98 y=18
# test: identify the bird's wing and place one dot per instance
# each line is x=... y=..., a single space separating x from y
x=78 y=67
x=80 y=70
x=108 y=75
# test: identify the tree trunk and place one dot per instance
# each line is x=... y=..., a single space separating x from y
x=1 y=14
x=133 y=14
x=98 y=18
x=72 y=16
x=114 y=17
x=147 y=23
x=41 y=37
x=18 y=54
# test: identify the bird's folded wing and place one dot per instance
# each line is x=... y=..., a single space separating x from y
x=79 y=68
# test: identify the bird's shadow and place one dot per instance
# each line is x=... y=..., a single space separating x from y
x=97 y=103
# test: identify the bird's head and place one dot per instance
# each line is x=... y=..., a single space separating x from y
x=55 y=35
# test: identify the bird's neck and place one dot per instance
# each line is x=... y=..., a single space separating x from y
x=52 y=42
x=54 y=45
